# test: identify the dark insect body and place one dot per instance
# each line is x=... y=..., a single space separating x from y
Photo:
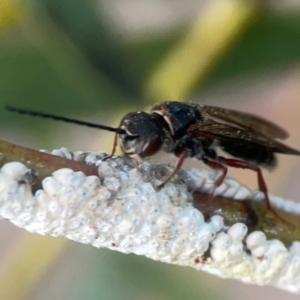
x=191 y=130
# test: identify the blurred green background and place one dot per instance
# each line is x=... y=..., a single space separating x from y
x=96 y=60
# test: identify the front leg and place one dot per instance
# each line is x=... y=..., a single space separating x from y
x=114 y=148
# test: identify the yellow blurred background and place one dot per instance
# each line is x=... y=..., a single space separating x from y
x=97 y=60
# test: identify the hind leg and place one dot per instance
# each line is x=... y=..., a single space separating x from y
x=218 y=167
x=240 y=164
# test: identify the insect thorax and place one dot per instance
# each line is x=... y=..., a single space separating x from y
x=178 y=116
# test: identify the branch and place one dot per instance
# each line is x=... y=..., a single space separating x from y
x=227 y=231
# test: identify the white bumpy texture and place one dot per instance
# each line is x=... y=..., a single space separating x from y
x=122 y=210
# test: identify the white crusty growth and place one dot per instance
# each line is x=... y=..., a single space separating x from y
x=123 y=211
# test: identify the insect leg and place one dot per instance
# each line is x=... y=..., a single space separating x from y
x=219 y=167
x=114 y=148
x=182 y=156
x=240 y=164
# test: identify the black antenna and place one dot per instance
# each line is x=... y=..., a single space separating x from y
x=58 y=118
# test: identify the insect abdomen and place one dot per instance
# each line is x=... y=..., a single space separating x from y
x=250 y=152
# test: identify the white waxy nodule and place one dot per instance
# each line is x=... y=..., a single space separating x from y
x=122 y=210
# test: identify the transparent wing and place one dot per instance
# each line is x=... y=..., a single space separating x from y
x=209 y=128
x=244 y=121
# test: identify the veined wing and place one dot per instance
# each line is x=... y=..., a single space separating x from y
x=210 y=128
x=242 y=120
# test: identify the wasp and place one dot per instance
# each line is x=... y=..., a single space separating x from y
x=192 y=130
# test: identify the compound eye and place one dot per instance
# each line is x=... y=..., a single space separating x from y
x=152 y=145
